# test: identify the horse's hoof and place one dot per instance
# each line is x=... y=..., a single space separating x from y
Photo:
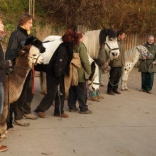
x=6 y=132
x=3 y=136
x=94 y=99
x=100 y=97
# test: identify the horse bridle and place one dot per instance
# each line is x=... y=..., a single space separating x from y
x=93 y=83
x=36 y=59
x=110 y=47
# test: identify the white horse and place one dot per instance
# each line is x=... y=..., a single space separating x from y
x=92 y=43
x=131 y=58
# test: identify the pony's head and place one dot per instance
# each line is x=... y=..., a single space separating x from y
x=108 y=41
x=144 y=52
x=35 y=42
x=33 y=47
x=93 y=81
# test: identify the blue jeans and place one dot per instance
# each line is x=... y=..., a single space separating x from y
x=1 y=97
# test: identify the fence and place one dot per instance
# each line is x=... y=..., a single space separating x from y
x=131 y=40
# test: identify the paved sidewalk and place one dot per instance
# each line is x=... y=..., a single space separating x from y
x=121 y=125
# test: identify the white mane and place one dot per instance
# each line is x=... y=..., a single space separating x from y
x=135 y=53
x=91 y=40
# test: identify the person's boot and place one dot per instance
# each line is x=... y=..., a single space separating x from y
x=110 y=92
x=116 y=91
x=31 y=116
x=21 y=122
x=3 y=148
x=41 y=114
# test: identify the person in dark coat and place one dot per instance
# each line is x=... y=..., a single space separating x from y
x=116 y=66
x=147 y=66
x=4 y=65
x=57 y=68
x=22 y=107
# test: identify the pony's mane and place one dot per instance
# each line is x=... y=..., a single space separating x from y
x=91 y=41
x=104 y=33
x=95 y=39
x=130 y=54
x=111 y=34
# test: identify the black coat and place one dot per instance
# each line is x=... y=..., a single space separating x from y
x=3 y=65
x=59 y=63
x=16 y=40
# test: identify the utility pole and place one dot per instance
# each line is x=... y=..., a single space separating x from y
x=32 y=7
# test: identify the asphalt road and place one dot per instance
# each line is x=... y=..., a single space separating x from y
x=121 y=125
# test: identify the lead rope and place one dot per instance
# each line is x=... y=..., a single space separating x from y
x=9 y=122
x=33 y=80
x=59 y=94
x=120 y=76
x=119 y=79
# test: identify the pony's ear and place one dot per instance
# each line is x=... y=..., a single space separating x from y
x=138 y=47
x=30 y=40
x=24 y=50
